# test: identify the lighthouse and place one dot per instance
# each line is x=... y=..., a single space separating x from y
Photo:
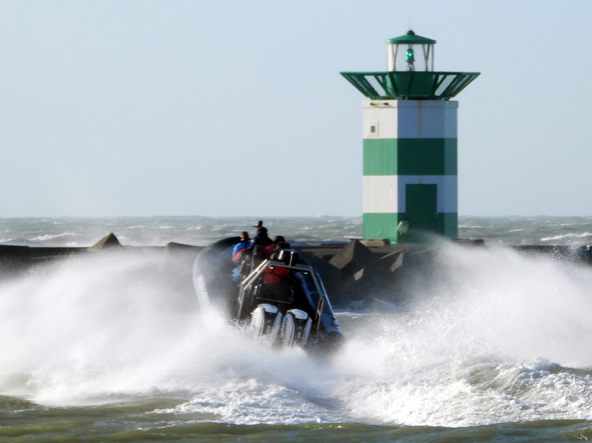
x=410 y=143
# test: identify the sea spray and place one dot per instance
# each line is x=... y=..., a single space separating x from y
x=103 y=327
x=483 y=342
x=83 y=325
x=492 y=338
x=499 y=302
x=489 y=341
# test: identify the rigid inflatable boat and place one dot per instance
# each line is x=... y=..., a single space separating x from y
x=295 y=312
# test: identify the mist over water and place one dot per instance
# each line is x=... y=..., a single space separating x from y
x=88 y=326
x=107 y=327
x=494 y=337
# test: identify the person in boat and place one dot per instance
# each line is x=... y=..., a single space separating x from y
x=241 y=247
x=256 y=249
x=258 y=226
x=279 y=242
x=275 y=283
x=276 y=274
x=262 y=238
x=241 y=256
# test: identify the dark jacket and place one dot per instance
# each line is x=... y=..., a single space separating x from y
x=262 y=238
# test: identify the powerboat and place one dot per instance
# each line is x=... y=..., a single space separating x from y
x=293 y=312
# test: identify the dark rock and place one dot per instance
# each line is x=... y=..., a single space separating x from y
x=353 y=258
x=365 y=275
x=109 y=241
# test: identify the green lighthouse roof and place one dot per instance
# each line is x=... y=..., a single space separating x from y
x=411 y=39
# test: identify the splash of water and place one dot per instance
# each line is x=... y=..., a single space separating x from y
x=481 y=343
x=489 y=339
x=101 y=327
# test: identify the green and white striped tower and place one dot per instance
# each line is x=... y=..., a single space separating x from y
x=410 y=143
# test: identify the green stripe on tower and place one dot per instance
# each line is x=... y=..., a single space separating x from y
x=431 y=156
x=381 y=225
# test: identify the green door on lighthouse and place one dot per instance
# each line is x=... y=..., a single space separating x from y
x=422 y=206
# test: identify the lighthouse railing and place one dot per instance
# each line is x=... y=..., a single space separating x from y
x=410 y=84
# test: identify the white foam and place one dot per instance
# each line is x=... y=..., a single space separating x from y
x=53 y=236
x=470 y=352
x=570 y=235
x=480 y=345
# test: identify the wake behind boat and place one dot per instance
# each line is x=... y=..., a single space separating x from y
x=294 y=311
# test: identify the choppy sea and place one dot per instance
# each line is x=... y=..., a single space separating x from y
x=101 y=348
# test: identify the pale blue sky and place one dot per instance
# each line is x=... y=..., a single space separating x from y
x=222 y=108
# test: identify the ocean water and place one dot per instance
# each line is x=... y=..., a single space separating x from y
x=106 y=347
x=158 y=231
x=201 y=231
